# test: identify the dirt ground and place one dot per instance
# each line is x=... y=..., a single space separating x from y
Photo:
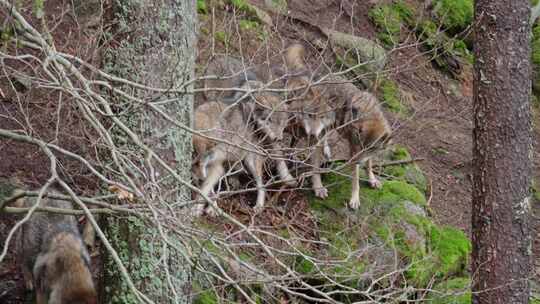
x=439 y=130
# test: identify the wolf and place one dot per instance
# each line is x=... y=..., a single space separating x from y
x=55 y=261
x=361 y=121
x=237 y=124
x=336 y=105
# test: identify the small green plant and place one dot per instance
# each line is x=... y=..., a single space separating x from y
x=201 y=7
x=392 y=97
x=242 y=5
x=280 y=4
x=455 y=15
x=206 y=297
x=222 y=37
x=247 y=25
x=39 y=8
x=390 y=18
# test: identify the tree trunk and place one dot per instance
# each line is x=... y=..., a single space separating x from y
x=502 y=152
x=156 y=47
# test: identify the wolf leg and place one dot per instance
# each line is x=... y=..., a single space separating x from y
x=254 y=164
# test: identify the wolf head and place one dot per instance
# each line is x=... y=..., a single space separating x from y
x=267 y=110
x=369 y=129
x=61 y=273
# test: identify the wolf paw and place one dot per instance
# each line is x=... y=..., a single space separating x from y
x=375 y=183
x=197 y=210
x=321 y=192
x=258 y=208
x=354 y=203
x=212 y=210
x=290 y=182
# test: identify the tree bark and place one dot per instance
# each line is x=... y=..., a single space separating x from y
x=502 y=152
x=156 y=47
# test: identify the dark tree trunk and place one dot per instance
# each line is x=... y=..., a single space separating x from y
x=502 y=152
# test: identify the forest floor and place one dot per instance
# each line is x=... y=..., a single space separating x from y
x=439 y=130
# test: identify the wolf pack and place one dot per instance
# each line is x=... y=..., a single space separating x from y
x=249 y=110
x=248 y=114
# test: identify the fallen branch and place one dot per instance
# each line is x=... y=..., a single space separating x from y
x=16 y=210
x=87 y=200
x=399 y=162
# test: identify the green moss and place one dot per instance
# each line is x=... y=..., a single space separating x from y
x=339 y=190
x=453 y=291
x=39 y=8
x=535 y=189
x=535 y=54
x=201 y=7
x=206 y=297
x=451 y=247
x=243 y=6
x=247 y=25
x=400 y=153
x=222 y=37
x=304 y=266
x=442 y=46
x=390 y=18
x=6 y=189
x=392 y=96
x=392 y=192
x=460 y=48
x=280 y=4
x=455 y=15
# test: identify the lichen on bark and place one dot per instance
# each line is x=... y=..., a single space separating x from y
x=157 y=49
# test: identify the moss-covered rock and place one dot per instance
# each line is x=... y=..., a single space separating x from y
x=446 y=50
x=452 y=248
x=409 y=172
x=395 y=215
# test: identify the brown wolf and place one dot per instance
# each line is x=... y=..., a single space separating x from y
x=55 y=261
x=337 y=106
x=362 y=122
x=237 y=124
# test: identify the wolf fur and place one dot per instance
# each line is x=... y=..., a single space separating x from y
x=55 y=261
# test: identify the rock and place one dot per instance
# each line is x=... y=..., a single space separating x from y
x=368 y=50
x=414 y=209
